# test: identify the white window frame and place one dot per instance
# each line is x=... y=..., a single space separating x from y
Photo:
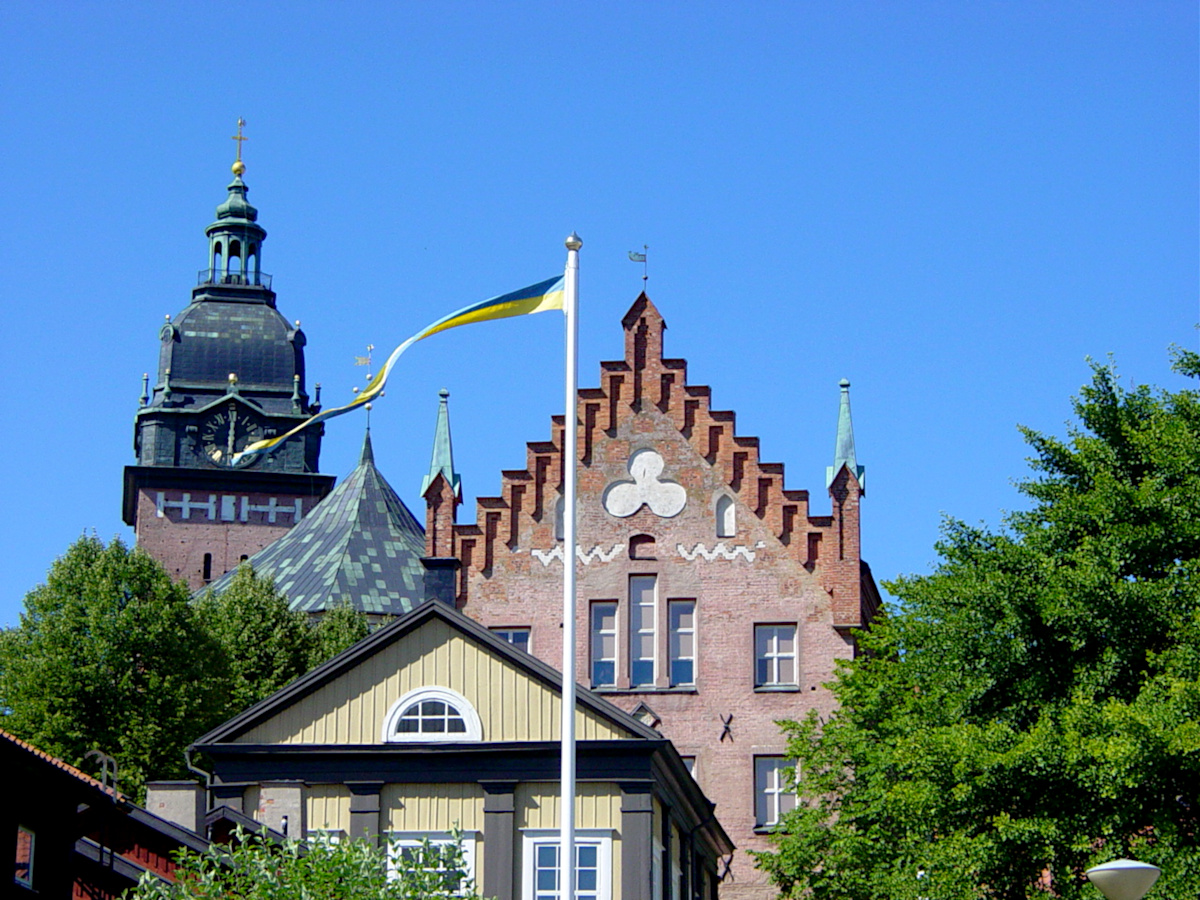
x=470 y=718
x=770 y=789
x=594 y=633
x=773 y=656
x=647 y=615
x=333 y=835
x=672 y=634
x=601 y=838
x=399 y=840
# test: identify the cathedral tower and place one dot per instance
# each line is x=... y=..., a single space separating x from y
x=230 y=372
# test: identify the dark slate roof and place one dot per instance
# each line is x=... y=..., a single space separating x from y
x=212 y=338
x=360 y=545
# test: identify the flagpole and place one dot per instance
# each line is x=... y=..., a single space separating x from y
x=566 y=823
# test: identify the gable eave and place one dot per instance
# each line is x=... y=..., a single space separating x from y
x=396 y=630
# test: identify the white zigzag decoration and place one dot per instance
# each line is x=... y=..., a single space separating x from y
x=595 y=553
x=719 y=550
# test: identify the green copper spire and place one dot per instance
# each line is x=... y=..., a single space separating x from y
x=843 y=454
x=443 y=453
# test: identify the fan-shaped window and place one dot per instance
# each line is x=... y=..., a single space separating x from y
x=432 y=714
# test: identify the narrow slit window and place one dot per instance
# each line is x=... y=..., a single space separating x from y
x=643 y=639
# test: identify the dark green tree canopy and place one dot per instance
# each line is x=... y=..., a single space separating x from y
x=110 y=655
x=1032 y=707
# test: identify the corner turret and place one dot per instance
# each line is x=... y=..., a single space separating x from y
x=843 y=452
x=442 y=487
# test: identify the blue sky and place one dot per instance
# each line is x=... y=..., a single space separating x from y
x=950 y=204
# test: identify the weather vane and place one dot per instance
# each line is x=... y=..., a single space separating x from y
x=634 y=256
x=365 y=361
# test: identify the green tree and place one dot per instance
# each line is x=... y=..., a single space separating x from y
x=340 y=627
x=108 y=655
x=1032 y=707
x=266 y=646
x=254 y=868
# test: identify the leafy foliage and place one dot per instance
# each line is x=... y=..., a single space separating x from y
x=254 y=868
x=111 y=655
x=1032 y=707
x=265 y=644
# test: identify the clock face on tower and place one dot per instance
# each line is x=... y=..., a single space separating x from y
x=223 y=434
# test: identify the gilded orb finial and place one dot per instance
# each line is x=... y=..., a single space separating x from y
x=238 y=166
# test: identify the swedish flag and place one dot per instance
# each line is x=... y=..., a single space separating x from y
x=536 y=298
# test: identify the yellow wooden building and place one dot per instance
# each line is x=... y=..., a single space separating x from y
x=434 y=724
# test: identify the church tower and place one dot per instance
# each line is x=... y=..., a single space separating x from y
x=230 y=372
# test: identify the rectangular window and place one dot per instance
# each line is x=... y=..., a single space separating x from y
x=689 y=763
x=24 y=871
x=643 y=612
x=604 y=643
x=772 y=796
x=593 y=866
x=518 y=637
x=682 y=620
x=407 y=850
x=775 y=655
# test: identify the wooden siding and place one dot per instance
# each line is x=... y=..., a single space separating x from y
x=328 y=807
x=597 y=805
x=251 y=798
x=431 y=807
x=351 y=709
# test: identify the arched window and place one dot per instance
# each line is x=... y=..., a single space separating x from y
x=642 y=546
x=432 y=714
x=235 y=262
x=215 y=274
x=560 y=507
x=726 y=517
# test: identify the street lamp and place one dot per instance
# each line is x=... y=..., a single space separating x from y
x=1124 y=879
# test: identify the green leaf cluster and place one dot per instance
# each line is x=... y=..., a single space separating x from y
x=267 y=645
x=111 y=655
x=255 y=868
x=1032 y=707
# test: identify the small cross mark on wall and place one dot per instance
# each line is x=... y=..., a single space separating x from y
x=726 y=730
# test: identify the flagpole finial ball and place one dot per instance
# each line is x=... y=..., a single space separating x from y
x=573 y=242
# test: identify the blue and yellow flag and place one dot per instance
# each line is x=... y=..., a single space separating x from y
x=536 y=298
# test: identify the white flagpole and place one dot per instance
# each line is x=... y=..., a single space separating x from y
x=566 y=822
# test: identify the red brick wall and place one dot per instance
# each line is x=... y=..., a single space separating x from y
x=786 y=567
x=180 y=544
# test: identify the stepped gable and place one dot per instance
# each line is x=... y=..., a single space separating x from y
x=360 y=545
x=640 y=396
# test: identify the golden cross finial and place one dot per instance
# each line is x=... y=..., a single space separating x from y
x=238 y=166
x=239 y=137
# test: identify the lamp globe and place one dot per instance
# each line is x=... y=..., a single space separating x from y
x=1124 y=879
